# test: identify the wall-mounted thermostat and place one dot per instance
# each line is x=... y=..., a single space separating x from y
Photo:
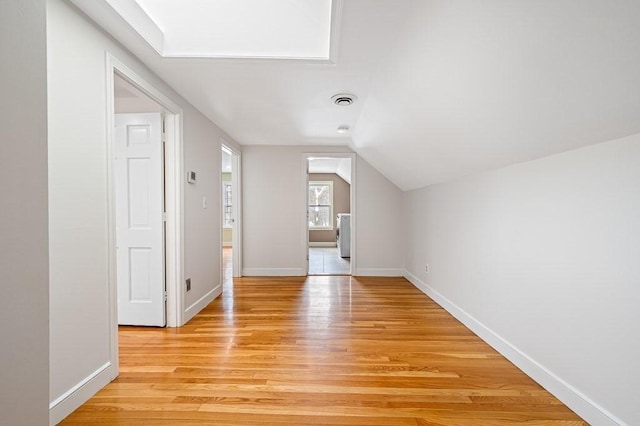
x=191 y=177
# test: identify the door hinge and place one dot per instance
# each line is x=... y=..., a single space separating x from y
x=165 y=296
x=164 y=216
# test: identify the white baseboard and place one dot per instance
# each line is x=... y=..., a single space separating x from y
x=202 y=303
x=589 y=410
x=69 y=401
x=272 y=272
x=378 y=272
x=322 y=244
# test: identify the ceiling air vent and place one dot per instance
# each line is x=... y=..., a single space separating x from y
x=343 y=99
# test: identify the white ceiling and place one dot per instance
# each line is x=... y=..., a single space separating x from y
x=445 y=88
x=339 y=166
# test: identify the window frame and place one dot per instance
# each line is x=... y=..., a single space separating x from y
x=328 y=183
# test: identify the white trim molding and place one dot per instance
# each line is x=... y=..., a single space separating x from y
x=572 y=397
x=174 y=237
x=322 y=244
x=273 y=272
x=378 y=272
x=202 y=303
x=69 y=401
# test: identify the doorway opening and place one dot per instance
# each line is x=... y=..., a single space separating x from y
x=157 y=268
x=227 y=220
x=231 y=217
x=330 y=218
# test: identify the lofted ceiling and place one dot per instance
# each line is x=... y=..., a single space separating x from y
x=444 y=88
x=338 y=166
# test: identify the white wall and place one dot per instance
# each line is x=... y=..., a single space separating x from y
x=202 y=154
x=542 y=259
x=78 y=203
x=24 y=313
x=379 y=227
x=273 y=209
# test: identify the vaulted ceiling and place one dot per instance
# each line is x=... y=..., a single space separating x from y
x=445 y=88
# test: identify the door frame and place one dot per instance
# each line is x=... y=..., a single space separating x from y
x=236 y=211
x=352 y=199
x=174 y=236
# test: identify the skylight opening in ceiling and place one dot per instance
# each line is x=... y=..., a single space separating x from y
x=289 y=29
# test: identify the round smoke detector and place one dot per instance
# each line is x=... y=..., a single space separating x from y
x=343 y=99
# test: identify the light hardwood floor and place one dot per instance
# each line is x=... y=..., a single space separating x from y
x=318 y=350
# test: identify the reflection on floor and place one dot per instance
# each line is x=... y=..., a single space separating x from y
x=227 y=278
x=326 y=261
x=227 y=265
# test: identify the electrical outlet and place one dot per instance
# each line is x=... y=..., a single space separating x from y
x=426 y=268
x=188 y=284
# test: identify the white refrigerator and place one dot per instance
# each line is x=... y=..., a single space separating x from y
x=343 y=235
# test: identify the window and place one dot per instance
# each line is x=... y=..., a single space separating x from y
x=227 y=218
x=320 y=205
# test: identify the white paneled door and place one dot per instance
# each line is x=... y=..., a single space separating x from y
x=139 y=192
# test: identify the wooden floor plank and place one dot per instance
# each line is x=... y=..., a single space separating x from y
x=318 y=350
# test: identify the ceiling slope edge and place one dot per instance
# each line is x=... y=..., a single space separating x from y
x=105 y=16
x=126 y=20
x=137 y=18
